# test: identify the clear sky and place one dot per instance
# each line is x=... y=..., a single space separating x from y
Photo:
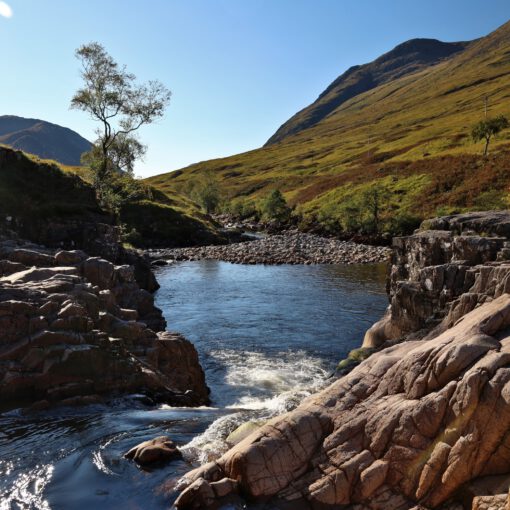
x=237 y=68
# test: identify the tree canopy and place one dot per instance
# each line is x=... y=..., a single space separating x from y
x=486 y=129
x=275 y=207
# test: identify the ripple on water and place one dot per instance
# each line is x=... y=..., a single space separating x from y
x=26 y=490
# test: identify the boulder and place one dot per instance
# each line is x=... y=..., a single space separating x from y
x=407 y=427
x=155 y=451
x=177 y=358
x=70 y=258
x=98 y=272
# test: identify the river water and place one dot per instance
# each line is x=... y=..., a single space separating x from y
x=267 y=336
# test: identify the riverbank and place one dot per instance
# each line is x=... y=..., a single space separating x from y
x=288 y=248
x=407 y=428
x=267 y=336
x=75 y=328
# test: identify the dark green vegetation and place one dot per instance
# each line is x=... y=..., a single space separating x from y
x=274 y=207
x=35 y=191
x=205 y=192
x=46 y=140
x=355 y=357
x=40 y=195
x=408 y=134
x=157 y=219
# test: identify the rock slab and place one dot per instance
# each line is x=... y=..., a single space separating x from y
x=84 y=329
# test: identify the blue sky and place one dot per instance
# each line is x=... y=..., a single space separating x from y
x=237 y=68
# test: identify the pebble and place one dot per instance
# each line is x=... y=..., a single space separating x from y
x=287 y=248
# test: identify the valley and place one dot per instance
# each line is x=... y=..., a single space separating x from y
x=319 y=323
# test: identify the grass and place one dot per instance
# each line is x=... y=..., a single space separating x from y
x=34 y=190
x=40 y=190
x=412 y=134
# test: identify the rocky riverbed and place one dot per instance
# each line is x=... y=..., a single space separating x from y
x=289 y=248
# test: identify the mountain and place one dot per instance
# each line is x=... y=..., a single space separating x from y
x=406 y=58
x=411 y=133
x=46 y=140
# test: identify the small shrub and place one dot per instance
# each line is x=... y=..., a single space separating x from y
x=132 y=237
x=403 y=224
x=206 y=192
x=242 y=209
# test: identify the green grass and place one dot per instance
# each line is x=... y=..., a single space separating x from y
x=41 y=190
x=412 y=133
x=33 y=190
x=150 y=223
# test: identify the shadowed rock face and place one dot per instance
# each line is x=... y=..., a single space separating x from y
x=419 y=422
x=74 y=326
x=439 y=275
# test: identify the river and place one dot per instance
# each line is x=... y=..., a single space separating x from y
x=267 y=337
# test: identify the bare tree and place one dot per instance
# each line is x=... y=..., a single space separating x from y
x=120 y=106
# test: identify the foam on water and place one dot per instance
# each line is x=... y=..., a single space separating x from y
x=277 y=374
x=266 y=386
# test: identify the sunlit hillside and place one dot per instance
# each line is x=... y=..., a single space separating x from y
x=412 y=133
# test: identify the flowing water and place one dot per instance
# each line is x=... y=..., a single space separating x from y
x=267 y=337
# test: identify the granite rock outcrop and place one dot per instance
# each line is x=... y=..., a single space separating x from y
x=421 y=422
x=74 y=326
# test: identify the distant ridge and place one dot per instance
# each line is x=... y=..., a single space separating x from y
x=406 y=58
x=44 y=139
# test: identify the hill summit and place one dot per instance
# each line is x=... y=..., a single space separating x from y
x=406 y=58
x=44 y=139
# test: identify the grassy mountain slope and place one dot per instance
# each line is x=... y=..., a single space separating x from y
x=34 y=191
x=406 y=58
x=46 y=140
x=412 y=133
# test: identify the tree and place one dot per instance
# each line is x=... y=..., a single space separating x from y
x=242 y=208
x=111 y=97
x=205 y=190
x=486 y=129
x=374 y=200
x=274 y=207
